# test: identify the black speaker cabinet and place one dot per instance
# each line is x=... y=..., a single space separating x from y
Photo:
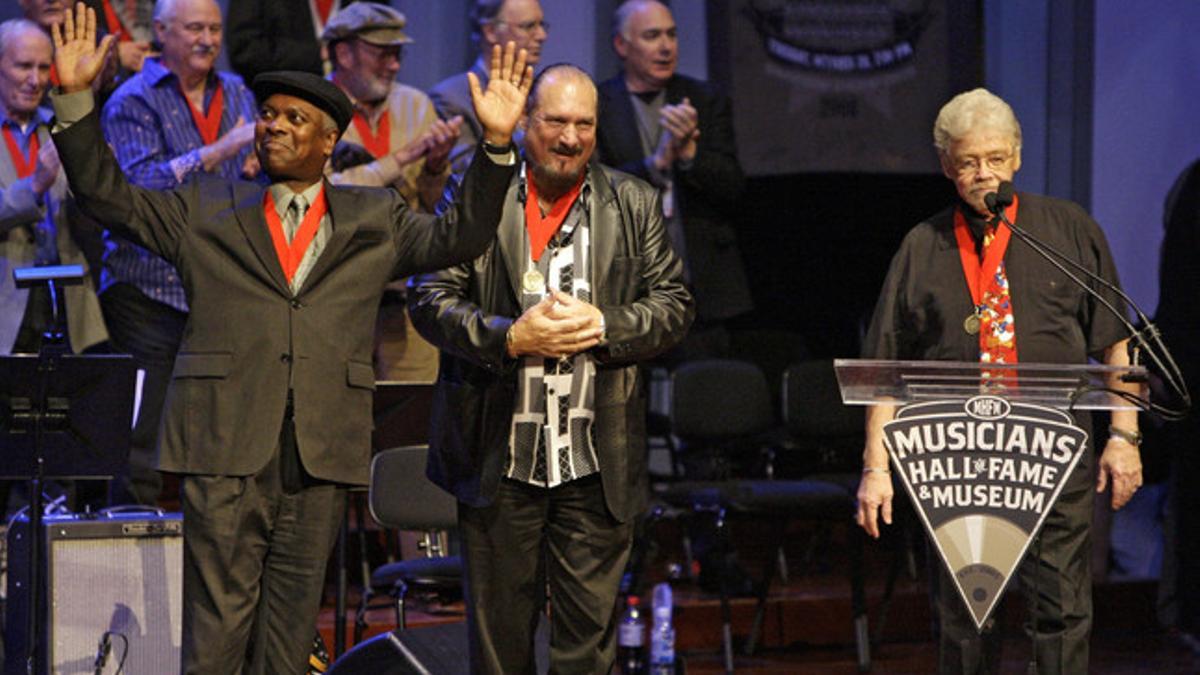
x=428 y=650
x=117 y=573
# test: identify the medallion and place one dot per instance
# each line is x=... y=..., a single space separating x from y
x=533 y=281
x=971 y=324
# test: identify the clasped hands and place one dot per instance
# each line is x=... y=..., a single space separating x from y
x=559 y=326
x=680 y=131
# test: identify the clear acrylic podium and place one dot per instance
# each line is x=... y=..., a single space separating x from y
x=1066 y=387
x=980 y=479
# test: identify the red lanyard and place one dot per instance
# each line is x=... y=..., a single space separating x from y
x=291 y=255
x=541 y=229
x=23 y=164
x=978 y=276
x=208 y=125
x=115 y=26
x=378 y=143
x=323 y=8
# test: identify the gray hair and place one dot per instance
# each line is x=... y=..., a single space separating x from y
x=166 y=9
x=482 y=13
x=10 y=29
x=625 y=11
x=975 y=109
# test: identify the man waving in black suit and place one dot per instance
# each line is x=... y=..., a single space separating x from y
x=268 y=413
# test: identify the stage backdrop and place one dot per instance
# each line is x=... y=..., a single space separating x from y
x=835 y=86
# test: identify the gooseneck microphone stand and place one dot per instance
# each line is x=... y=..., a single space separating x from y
x=1147 y=340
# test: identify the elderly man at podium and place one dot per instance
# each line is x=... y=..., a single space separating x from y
x=959 y=290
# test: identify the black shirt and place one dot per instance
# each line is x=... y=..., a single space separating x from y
x=920 y=312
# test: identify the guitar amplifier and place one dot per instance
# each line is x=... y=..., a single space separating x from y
x=118 y=574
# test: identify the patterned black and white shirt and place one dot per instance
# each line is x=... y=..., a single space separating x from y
x=552 y=440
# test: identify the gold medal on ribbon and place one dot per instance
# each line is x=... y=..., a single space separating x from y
x=533 y=281
x=971 y=324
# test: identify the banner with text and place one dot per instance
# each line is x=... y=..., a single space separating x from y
x=983 y=474
x=836 y=86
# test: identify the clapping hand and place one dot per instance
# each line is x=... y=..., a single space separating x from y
x=77 y=58
x=500 y=107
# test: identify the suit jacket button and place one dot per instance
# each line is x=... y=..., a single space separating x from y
x=286 y=358
x=296 y=304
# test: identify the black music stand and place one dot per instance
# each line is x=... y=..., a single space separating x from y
x=61 y=416
x=401 y=413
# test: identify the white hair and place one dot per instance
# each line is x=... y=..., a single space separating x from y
x=9 y=30
x=974 y=110
x=625 y=11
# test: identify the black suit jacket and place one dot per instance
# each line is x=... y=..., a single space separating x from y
x=466 y=311
x=707 y=194
x=266 y=35
x=249 y=339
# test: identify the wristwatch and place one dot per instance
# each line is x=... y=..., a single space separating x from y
x=1133 y=438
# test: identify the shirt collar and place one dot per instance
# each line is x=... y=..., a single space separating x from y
x=156 y=73
x=282 y=195
x=40 y=116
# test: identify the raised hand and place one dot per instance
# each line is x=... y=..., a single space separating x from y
x=501 y=106
x=442 y=137
x=77 y=58
x=681 y=121
x=47 y=169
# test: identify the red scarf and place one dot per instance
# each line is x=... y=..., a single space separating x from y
x=988 y=285
x=24 y=165
x=209 y=125
x=323 y=9
x=115 y=25
x=378 y=143
x=542 y=228
x=290 y=255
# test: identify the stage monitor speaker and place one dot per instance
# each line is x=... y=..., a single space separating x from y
x=428 y=650
x=116 y=573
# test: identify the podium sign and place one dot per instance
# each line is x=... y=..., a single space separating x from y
x=983 y=451
x=982 y=474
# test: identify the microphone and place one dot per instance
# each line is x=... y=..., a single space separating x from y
x=102 y=651
x=1149 y=337
x=1001 y=199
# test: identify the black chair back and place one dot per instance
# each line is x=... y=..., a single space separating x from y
x=403 y=498
x=719 y=399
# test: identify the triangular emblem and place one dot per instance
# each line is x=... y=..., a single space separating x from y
x=982 y=474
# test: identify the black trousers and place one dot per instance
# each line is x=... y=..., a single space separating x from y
x=1059 y=569
x=532 y=541
x=255 y=552
x=151 y=332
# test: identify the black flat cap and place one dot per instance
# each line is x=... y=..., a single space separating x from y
x=312 y=88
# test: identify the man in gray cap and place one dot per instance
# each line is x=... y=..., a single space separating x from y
x=268 y=415
x=398 y=127
x=394 y=122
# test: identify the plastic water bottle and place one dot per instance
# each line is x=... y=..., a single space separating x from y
x=631 y=639
x=662 y=634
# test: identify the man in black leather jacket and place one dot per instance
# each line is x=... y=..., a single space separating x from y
x=539 y=412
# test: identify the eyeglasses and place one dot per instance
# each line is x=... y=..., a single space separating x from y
x=966 y=166
x=527 y=27
x=382 y=53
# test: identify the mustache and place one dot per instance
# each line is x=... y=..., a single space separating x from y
x=567 y=150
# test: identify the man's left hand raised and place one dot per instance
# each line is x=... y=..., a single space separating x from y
x=500 y=107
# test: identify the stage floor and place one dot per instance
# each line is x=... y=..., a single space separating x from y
x=808 y=624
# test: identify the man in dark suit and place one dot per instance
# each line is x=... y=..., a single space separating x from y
x=493 y=22
x=677 y=133
x=539 y=410
x=266 y=35
x=267 y=416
